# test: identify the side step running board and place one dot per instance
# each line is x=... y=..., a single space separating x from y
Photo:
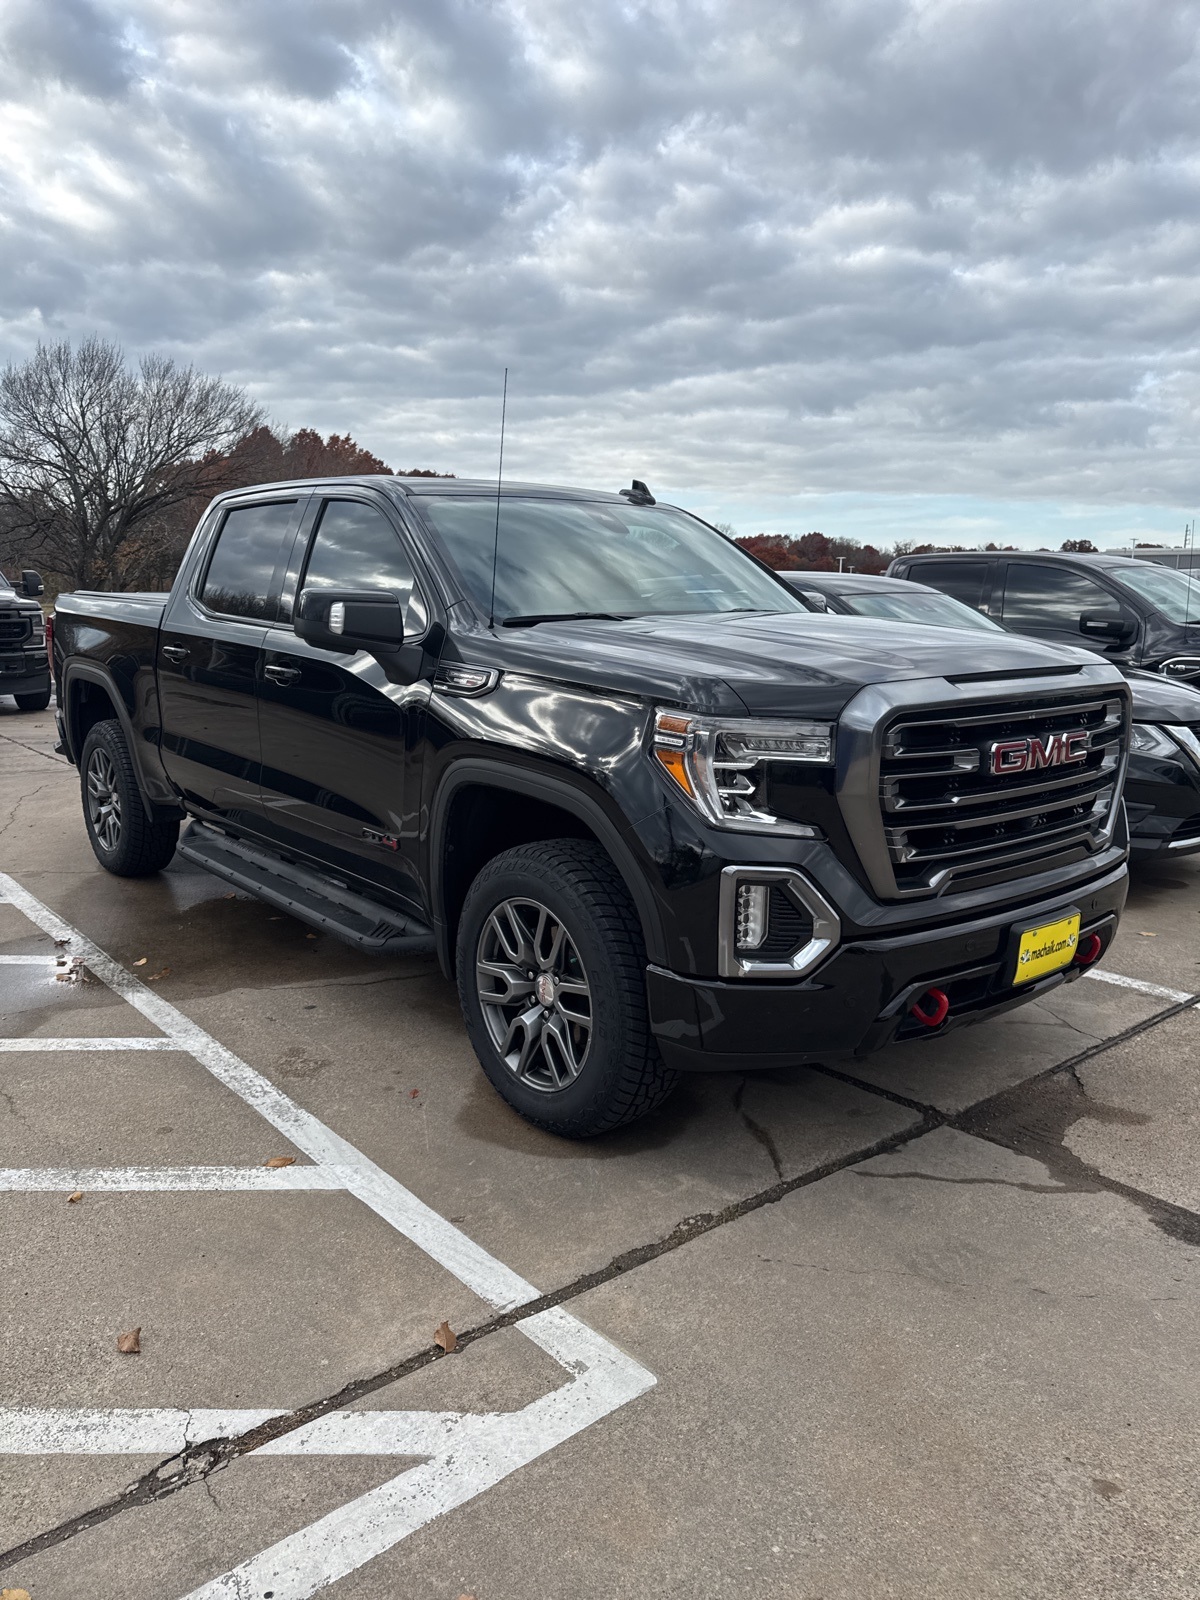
x=307 y=894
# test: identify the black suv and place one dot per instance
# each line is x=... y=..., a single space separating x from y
x=24 y=663
x=650 y=811
x=1132 y=612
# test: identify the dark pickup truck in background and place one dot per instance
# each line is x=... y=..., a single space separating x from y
x=650 y=812
x=1135 y=612
x=1162 y=783
x=24 y=662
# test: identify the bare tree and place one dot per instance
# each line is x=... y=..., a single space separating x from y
x=93 y=455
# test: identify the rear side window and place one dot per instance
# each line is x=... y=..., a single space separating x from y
x=356 y=547
x=242 y=565
x=962 y=579
x=1048 y=599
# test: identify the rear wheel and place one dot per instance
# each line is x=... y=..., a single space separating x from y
x=33 y=702
x=124 y=839
x=552 y=978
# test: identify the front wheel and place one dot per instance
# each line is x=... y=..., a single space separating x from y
x=37 y=701
x=552 y=979
x=124 y=839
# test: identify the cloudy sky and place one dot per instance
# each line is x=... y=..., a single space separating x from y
x=882 y=267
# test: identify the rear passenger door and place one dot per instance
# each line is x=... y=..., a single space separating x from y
x=340 y=730
x=209 y=654
x=968 y=581
x=1048 y=601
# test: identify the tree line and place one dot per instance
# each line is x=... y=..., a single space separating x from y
x=815 y=552
x=105 y=468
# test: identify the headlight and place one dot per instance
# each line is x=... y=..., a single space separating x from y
x=720 y=765
x=1188 y=739
x=1147 y=740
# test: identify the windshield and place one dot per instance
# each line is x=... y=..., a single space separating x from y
x=557 y=557
x=934 y=610
x=1177 y=597
x=5 y=586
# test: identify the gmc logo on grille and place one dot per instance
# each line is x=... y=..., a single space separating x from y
x=1030 y=755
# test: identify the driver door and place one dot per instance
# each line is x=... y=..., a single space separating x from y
x=341 y=731
x=1048 y=603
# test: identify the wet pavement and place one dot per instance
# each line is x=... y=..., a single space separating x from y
x=921 y=1325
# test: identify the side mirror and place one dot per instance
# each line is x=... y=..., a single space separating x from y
x=31 y=584
x=1119 y=629
x=350 y=619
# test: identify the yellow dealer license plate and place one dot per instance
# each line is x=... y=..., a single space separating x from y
x=1046 y=949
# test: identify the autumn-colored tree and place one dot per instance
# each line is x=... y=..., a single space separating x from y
x=772 y=549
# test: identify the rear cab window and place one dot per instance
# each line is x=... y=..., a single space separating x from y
x=240 y=578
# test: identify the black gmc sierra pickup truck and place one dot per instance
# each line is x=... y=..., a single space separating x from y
x=650 y=812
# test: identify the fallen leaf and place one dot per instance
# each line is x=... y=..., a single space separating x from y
x=413 y=1093
x=1144 y=935
x=71 y=1198
x=310 y=936
x=14 y=1594
x=155 y=976
x=59 y=943
x=232 y=895
x=130 y=1344
x=141 y=961
x=444 y=1337
x=274 y=919
x=281 y=1161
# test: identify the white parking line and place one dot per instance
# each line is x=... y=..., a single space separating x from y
x=1102 y=975
x=188 y=1180
x=466 y=1453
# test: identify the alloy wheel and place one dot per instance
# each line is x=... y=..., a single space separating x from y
x=103 y=799
x=534 y=994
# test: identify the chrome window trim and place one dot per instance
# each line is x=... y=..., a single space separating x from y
x=827 y=926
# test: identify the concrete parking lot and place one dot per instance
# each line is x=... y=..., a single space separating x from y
x=918 y=1326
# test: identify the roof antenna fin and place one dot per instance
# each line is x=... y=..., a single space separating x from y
x=499 y=479
x=638 y=494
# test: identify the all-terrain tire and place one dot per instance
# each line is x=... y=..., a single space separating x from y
x=623 y=1075
x=124 y=839
x=38 y=701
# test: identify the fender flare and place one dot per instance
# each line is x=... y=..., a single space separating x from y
x=88 y=672
x=557 y=791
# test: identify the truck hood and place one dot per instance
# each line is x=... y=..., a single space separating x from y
x=767 y=665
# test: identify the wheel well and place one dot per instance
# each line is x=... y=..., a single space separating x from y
x=482 y=821
x=89 y=704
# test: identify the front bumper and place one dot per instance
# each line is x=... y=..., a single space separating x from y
x=1162 y=800
x=859 y=999
x=28 y=676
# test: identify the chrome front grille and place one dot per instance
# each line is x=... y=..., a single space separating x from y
x=949 y=815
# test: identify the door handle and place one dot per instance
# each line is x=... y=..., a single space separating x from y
x=281 y=675
x=174 y=652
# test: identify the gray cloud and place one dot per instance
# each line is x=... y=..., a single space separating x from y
x=892 y=246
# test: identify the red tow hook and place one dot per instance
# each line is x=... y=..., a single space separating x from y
x=938 y=1009
x=1089 y=950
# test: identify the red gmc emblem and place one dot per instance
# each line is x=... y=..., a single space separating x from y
x=1030 y=755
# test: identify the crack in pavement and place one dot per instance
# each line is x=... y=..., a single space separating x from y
x=1002 y=1119
x=756 y=1129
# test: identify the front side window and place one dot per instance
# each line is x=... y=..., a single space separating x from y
x=1045 y=599
x=559 y=557
x=242 y=565
x=934 y=610
x=356 y=547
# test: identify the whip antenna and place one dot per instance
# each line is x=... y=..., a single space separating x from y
x=499 y=479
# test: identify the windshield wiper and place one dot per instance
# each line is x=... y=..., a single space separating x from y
x=562 y=616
